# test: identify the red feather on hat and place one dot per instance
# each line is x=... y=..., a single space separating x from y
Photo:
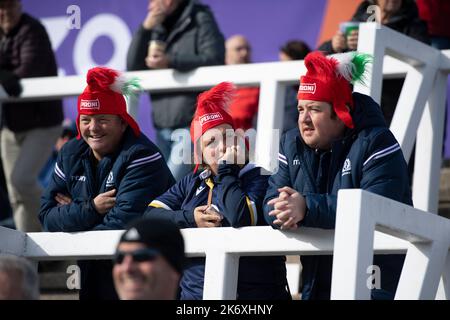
x=101 y=78
x=218 y=96
x=319 y=66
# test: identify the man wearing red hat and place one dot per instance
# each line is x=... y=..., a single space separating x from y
x=104 y=180
x=227 y=192
x=341 y=142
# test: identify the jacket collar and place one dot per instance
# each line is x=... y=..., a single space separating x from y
x=182 y=23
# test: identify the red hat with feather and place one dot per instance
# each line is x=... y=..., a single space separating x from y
x=104 y=94
x=211 y=112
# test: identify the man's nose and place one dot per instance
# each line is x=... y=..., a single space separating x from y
x=94 y=125
x=305 y=117
x=128 y=263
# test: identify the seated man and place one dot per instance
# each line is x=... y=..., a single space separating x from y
x=149 y=260
x=103 y=181
x=342 y=143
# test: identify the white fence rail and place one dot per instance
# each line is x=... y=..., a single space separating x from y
x=425 y=237
x=366 y=223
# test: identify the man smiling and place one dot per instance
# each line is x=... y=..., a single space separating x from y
x=104 y=180
x=149 y=260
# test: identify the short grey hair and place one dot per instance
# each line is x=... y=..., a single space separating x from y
x=30 y=277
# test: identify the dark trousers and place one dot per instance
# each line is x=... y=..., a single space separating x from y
x=96 y=280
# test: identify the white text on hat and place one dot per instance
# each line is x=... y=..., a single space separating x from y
x=307 y=88
x=90 y=104
x=210 y=117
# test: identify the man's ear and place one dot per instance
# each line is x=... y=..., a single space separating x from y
x=123 y=124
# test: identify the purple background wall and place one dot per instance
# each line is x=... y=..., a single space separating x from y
x=267 y=24
x=107 y=27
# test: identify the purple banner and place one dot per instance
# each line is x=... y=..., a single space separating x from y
x=106 y=28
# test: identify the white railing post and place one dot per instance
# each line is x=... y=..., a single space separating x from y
x=353 y=248
x=270 y=116
x=221 y=275
x=410 y=106
x=428 y=155
x=422 y=271
x=370 y=38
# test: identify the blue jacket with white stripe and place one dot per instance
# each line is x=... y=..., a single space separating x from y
x=367 y=157
x=137 y=171
x=238 y=195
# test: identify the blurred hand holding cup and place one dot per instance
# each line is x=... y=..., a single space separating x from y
x=347 y=27
x=156 y=48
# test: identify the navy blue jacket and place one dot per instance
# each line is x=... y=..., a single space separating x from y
x=238 y=195
x=137 y=171
x=367 y=157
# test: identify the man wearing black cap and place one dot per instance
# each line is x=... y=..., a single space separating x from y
x=149 y=261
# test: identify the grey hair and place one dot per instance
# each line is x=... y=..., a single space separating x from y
x=30 y=278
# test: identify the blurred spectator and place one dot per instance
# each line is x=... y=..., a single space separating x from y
x=18 y=278
x=29 y=130
x=183 y=35
x=69 y=132
x=292 y=50
x=435 y=13
x=238 y=50
x=149 y=261
x=244 y=106
x=400 y=15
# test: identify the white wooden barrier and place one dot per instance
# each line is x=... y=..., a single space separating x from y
x=419 y=112
x=424 y=236
x=359 y=215
x=421 y=107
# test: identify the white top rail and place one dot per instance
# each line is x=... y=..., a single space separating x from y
x=156 y=81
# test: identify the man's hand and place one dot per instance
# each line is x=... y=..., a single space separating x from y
x=236 y=154
x=62 y=199
x=157 y=60
x=289 y=208
x=207 y=217
x=156 y=15
x=338 y=42
x=105 y=201
x=352 y=40
x=231 y=155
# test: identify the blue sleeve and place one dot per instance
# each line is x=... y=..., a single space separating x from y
x=140 y=184
x=320 y=212
x=79 y=215
x=168 y=205
x=278 y=180
x=384 y=172
x=240 y=199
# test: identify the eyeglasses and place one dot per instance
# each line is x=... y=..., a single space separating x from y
x=140 y=255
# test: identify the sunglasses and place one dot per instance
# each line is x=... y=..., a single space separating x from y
x=140 y=255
